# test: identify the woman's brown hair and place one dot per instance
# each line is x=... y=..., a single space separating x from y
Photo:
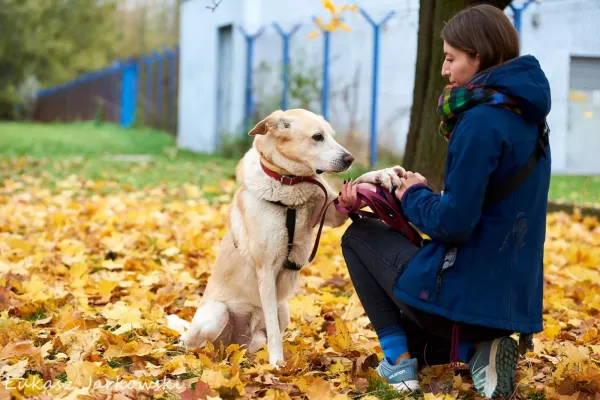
x=485 y=30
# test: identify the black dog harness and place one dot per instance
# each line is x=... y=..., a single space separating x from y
x=290 y=219
x=290 y=225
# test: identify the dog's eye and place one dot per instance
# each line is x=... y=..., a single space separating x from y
x=318 y=137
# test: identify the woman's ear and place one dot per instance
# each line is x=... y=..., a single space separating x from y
x=477 y=61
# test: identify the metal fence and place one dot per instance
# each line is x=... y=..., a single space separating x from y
x=144 y=90
x=140 y=91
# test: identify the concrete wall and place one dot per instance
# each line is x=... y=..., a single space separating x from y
x=198 y=71
x=566 y=28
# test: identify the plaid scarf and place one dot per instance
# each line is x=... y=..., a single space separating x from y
x=458 y=99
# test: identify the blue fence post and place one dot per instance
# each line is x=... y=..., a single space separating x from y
x=149 y=62
x=325 y=78
x=159 y=87
x=128 y=92
x=376 y=33
x=172 y=56
x=285 y=36
x=518 y=14
x=248 y=102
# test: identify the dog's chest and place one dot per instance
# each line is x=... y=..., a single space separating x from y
x=267 y=231
x=294 y=228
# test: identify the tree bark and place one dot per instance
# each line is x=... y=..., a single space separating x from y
x=425 y=150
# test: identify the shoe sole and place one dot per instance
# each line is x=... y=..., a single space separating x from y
x=504 y=357
x=406 y=386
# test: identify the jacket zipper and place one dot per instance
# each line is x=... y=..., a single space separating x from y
x=438 y=285
x=446 y=259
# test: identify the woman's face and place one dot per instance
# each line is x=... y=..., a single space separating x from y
x=459 y=67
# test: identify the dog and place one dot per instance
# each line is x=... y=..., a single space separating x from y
x=257 y=269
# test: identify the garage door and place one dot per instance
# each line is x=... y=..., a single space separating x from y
x=583 y=145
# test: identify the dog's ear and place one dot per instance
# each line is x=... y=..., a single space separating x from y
x=275 y=121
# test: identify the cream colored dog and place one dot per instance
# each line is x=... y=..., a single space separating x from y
x=245 y=300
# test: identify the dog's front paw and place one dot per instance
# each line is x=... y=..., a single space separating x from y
x=191 y=340
x=387 y=177
x=276 y=359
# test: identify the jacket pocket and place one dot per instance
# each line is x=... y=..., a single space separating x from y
x=403 y=264
x=446 y=263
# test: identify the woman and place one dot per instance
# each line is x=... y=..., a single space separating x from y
x=479 y=279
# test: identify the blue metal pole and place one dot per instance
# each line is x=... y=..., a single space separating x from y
x=286 y=61
x=128 y=93
x=518 y=20
x=325 y=77
x=149 y=70
x=248 y=102
x=373 y=158
x=286 y=75
x=518 y=12
x=172 y=57
x=376 y=33
x=325 y=89
x=249 y=57
x=159 y=88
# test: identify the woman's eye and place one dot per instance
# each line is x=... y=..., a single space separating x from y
x=318 y=137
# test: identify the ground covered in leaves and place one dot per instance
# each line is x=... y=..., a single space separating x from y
x=90 y=269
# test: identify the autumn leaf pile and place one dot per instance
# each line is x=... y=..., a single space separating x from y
x=90 y=269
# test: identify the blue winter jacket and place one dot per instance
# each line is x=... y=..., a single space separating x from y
x=484 y=265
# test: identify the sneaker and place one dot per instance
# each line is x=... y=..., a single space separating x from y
x=494 y=365
x=402 y=376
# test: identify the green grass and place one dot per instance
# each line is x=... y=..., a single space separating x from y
x=84 y=139
x=55 y=151
x=584 y=190
x=136 y=157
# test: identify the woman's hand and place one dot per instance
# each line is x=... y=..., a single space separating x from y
x=387 y=177
x=409 y=179
x=348 y=194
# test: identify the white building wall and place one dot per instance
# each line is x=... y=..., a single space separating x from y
x=198 y=71
x=567 y=27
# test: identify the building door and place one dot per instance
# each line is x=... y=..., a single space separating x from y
x=224 y=77
x=583 y=144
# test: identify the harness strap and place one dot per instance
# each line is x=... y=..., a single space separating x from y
x=497 y=192
x=290 y=224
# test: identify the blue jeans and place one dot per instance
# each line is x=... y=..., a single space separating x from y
x=375 y=255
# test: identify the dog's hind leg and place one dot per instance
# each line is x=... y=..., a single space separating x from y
x=283 y=314
x=208 y=324
x=259 y=338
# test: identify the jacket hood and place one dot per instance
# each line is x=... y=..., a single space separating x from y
x=523 y=80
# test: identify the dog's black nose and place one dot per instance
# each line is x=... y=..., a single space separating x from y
x=348 y=159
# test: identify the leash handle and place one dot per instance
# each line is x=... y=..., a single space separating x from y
x=385 y=208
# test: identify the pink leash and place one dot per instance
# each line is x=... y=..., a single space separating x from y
x=384 y=208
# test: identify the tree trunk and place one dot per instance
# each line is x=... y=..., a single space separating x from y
x=425 y=150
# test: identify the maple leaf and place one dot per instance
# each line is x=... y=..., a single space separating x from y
x=340 y=341
x=201 y=391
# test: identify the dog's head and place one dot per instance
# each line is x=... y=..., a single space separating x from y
x=300 y=142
